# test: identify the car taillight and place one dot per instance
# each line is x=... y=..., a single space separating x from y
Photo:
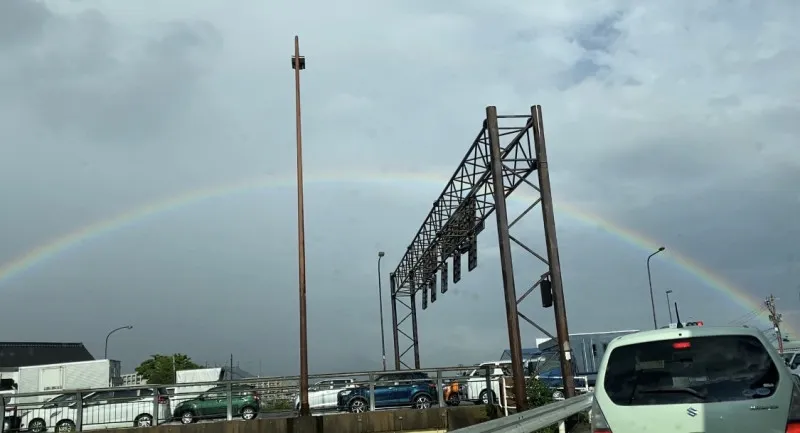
x=679 y=345
x=793 y=420
x=599 y=423
x=162 y=399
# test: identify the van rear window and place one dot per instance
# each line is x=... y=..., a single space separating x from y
x=690 y=370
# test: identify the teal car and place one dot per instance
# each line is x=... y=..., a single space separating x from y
x=245 y=402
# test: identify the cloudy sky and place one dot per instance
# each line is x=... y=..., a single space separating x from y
x=672 y=120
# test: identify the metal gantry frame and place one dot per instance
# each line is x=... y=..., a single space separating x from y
x=499 y=160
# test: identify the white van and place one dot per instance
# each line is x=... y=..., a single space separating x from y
x=792 y=359
x=698 y=379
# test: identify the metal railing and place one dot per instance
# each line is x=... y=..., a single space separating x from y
x=534 y=419
x=150 y=405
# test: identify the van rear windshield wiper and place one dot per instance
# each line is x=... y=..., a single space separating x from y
x=667 y=390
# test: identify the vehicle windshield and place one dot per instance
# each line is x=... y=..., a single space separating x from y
x=690 y=370
x=62 y=398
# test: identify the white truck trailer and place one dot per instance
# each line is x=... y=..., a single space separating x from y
x=59 y=378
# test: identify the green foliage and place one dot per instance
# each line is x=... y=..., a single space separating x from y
x=160 y=369
x=277 y=405
x=539 y=394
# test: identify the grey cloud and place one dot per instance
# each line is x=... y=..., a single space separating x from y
x=22 y=22
x=84 y=82
x=112 y=109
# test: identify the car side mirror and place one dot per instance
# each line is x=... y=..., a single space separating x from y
x=201 y=397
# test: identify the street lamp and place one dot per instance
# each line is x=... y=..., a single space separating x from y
x=380 y=308
x=105 y=353
x=650 y=281
x=669 y=309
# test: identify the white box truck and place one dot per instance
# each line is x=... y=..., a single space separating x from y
x=68 y=376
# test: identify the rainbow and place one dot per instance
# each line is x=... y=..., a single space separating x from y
x=141 y=214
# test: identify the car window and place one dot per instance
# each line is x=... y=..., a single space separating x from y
x=126 y=395
x=62 y=398
x=7 y=384
x=699 y=369
x=100 y=396
x=388 y=378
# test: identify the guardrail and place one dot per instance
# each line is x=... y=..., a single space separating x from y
x=534 y=419
x=150 y=405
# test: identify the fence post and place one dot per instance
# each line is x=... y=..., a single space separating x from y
x=3 y=425
x=155 y=406
x=230 y=401
x=440 y=388
x=78 y=411
x=371 y=392
x=504 y=394
x=489 y=393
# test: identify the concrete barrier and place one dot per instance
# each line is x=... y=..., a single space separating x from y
x=404 y=420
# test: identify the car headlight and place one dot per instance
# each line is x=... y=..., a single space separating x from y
x=345 y=392
x=6 y=426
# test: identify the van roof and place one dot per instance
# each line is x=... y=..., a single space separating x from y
x=692 y=331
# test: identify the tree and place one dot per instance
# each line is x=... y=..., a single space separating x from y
x=160 y=369
x=539 y=394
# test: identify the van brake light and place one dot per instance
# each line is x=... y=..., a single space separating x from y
x=599 y=423
x=681 y=345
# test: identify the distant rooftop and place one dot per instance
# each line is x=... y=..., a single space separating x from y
x=526 y=353
x=26 y=354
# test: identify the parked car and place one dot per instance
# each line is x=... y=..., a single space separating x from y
x=322 y=395
x=556 y=383
x=452 y=393
x=245 y=402
x=100 y=410
x=411 y=389
x=709 y=379
x=474 y=386
x=34 y=417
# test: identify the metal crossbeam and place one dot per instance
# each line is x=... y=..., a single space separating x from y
x=505 y=152
x=470 y=184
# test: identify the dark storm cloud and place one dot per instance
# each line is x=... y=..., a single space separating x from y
x=79 y=77
x=22 y=22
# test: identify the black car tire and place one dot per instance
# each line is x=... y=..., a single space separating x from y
x=249 y=411
x=187 y=417
x=143 y=420
x=358 y=405
x=37 y=425
x=422 y=401
x=454 y=399
x=65 y=426
x=482 y=397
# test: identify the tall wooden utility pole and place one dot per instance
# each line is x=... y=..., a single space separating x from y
x=775 y=318
x=299 y=63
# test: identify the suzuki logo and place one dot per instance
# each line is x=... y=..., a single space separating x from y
x=691 y=412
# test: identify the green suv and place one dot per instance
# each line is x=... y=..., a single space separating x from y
x=213 y=403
